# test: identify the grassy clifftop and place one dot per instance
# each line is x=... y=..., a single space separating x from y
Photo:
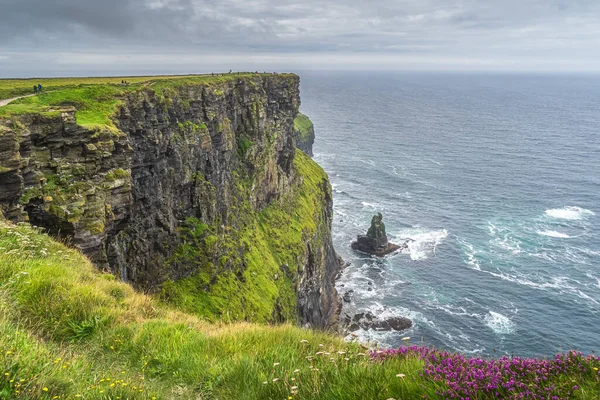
x=95 y=98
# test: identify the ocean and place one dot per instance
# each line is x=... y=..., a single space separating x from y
x=495 y=177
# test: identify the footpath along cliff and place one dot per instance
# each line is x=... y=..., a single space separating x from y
x=191 y=188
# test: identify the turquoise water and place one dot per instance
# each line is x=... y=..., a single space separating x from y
x=495 y=177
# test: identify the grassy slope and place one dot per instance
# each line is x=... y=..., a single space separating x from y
x=68 y=330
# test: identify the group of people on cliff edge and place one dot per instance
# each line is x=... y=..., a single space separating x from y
x=37 y=88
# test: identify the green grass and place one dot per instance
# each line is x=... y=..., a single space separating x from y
x=96 y=98
x=10 y=88
x=68 y=330
x=303 y=125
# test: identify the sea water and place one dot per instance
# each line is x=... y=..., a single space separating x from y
x=496 y=178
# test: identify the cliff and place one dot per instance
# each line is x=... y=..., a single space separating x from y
x=305 y=133
x=191 y=188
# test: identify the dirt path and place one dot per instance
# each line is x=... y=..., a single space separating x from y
x=5 y=102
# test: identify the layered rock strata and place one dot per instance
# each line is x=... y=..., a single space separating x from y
x=195 y=191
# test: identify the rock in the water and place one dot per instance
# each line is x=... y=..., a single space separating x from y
x=348 y=296
x=377 y=231
x=375 y=242
x=368 y=321
x=392 y=324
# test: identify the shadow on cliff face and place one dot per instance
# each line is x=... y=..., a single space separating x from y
x=52 y=224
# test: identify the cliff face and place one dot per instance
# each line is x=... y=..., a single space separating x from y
x=194 y=191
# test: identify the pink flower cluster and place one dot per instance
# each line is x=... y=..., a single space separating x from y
x=505 y=378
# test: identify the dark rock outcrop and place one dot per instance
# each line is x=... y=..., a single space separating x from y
x=375 y=242
x=176 y=188
x=368 y=321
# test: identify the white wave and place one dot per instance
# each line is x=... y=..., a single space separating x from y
x=557 y=282
x=435 y=162
x=587 y=251
x=584 y=296
x=553 y=234
x=458 y=311
x=569 y=213
x=423 y=243
x=368 y=162
x=470 y=252
x=594 y=278
x=370 y=205
x=499 y=323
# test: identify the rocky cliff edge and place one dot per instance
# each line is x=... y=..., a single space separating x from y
x=189 y=188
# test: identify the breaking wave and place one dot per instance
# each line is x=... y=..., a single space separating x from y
x=423 y=243
x=499 y=323
x=554 y=234
x=569 y=213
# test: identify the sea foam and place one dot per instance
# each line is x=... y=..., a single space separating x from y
x=569 y=213
x=424 y=244
x=499 y=323
x=554 y=234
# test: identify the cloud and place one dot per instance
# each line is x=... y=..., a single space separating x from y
x=543 y=34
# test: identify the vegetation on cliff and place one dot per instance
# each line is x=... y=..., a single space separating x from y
x=305 y=133
x=272 y=238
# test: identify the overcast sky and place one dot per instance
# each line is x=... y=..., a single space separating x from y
x=84 y=37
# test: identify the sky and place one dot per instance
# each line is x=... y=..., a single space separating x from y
x=112 y=37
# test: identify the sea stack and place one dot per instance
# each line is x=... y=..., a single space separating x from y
x=375 y=242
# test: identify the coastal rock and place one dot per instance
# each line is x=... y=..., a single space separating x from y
x=366 y=321
x=347 y=297
x=375 y=242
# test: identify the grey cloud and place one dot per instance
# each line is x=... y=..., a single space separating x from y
x=510 y=30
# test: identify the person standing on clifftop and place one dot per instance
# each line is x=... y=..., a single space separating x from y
x=34 y=89
x=40 y=88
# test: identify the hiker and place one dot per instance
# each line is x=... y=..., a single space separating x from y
x=40 y=88
x=34 y=89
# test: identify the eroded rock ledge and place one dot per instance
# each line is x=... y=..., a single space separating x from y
x=197 y=193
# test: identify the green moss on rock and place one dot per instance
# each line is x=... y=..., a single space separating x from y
x=259 y=264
